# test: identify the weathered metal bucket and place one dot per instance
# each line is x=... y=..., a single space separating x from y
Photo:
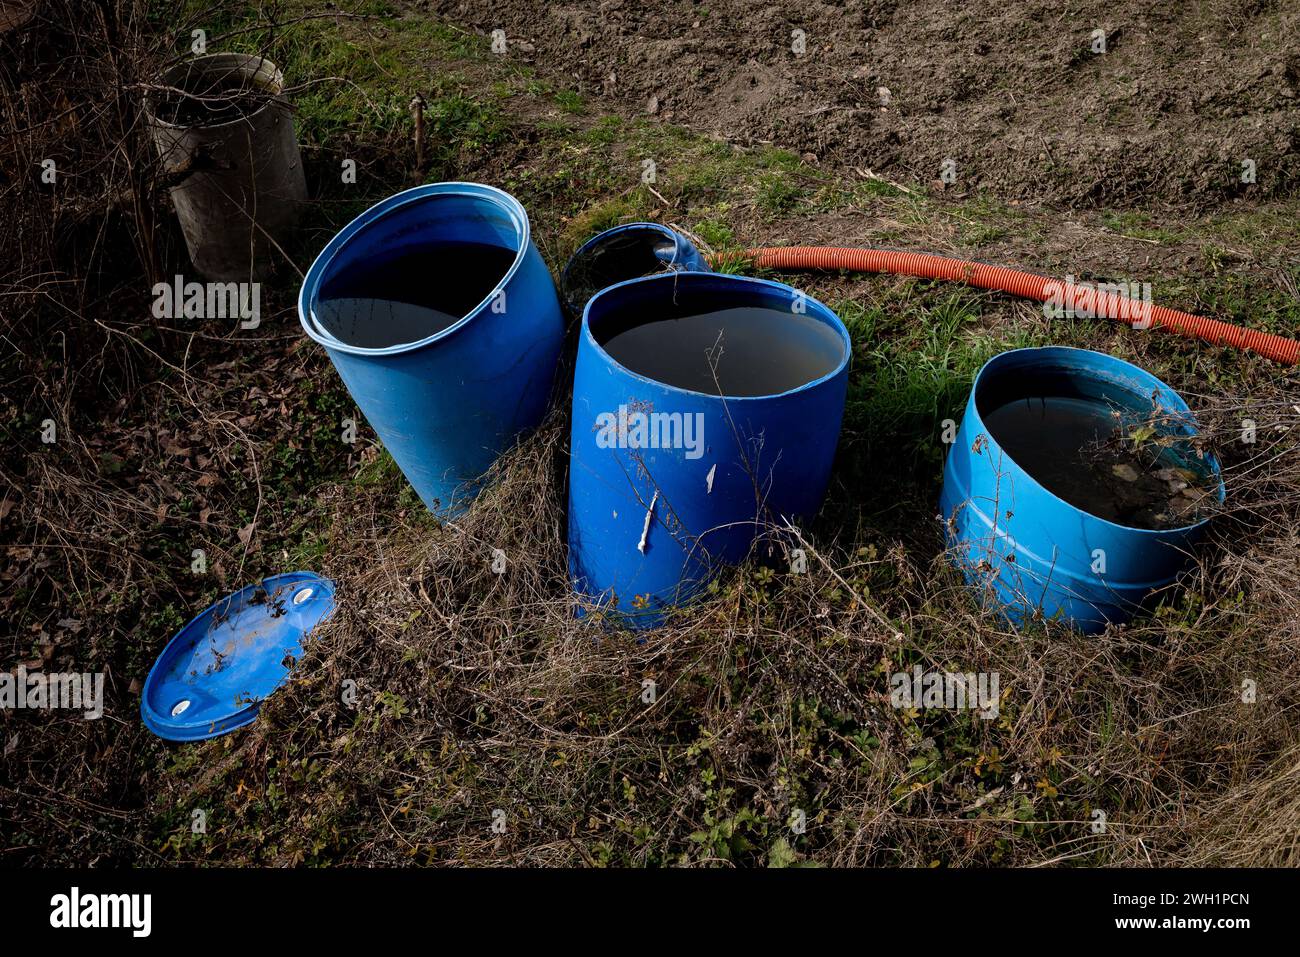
x=225 y=133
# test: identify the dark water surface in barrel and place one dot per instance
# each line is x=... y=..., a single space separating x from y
x=751 y=350
x=203 y=100
x=626 y=255
x=410 y=297
x=1079 y=450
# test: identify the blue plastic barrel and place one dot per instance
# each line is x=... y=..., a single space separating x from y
x=650 y=519
x=447 y=402
x=1028 y=551
x=625 y=252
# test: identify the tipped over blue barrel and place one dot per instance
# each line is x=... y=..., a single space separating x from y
x=1031 y=552
x=706 y=410
x=443 y=321
x=625 y=252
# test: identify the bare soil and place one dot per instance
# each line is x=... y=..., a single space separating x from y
x=1013 y=95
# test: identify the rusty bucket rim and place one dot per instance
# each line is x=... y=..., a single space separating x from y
x=266 y=70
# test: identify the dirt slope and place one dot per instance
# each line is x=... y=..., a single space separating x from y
x=1012 y=93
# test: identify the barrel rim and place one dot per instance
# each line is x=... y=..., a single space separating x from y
x=680 y=242
x=826 y=313
x=391 y=206
x=990 y=367
x=681 y=245
x=273 y=76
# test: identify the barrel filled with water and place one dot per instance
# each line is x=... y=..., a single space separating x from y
x=443 y=321
x=706 y=410
x=1076 y=486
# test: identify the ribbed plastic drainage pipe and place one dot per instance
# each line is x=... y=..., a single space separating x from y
x=1025 y=284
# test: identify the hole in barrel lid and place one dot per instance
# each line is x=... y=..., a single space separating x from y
x=180 y=707
x=303 y=594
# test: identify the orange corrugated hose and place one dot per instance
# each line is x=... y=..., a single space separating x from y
x=1083 y=299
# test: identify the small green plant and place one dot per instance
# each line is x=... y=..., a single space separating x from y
x=716 y=233
x=777 y=194
x=390 y=705
x=570 y=101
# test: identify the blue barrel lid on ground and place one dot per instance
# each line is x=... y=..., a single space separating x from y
x=215 y=672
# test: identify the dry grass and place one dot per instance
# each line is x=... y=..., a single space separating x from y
x=479 y=692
